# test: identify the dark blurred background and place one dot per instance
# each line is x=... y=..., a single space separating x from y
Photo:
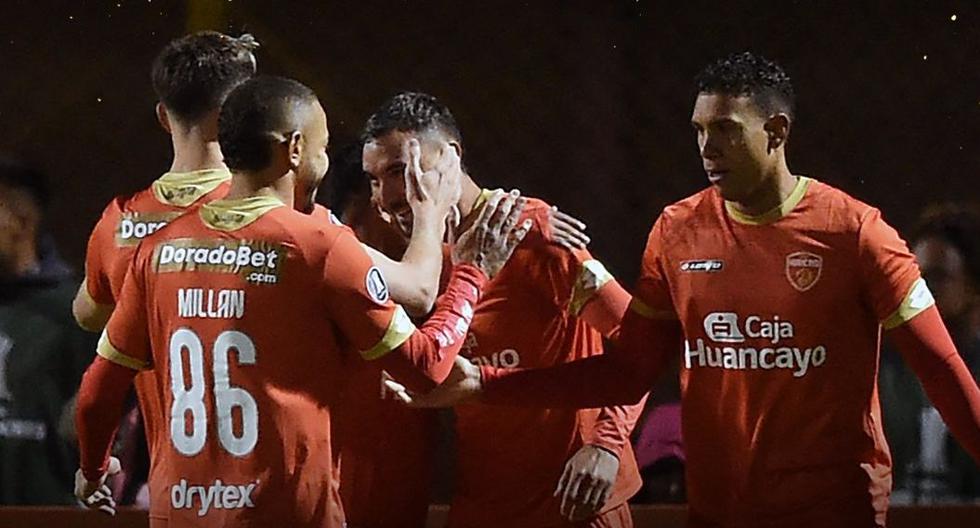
x=585 y=104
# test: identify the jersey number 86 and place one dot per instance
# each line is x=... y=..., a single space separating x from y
x=190 y=397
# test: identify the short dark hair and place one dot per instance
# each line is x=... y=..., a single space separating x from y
x=346 y=178
x=958 y=226
x=193 y=74
x=23 y=177
x=254 y=114
x=411 y=112
x=751 y=75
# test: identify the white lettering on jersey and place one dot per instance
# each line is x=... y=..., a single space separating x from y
x=723 y=327
x=219 y=496
x=210 y=304
x=508 y=358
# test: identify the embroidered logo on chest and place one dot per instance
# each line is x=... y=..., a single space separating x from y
x=803 y=269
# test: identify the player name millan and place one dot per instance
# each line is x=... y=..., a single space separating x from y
x=201 y=303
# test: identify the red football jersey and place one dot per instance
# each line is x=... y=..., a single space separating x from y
x=125 y=222
x=244 y=310
x=386 y=455
x=509 y=459
x=781 y=317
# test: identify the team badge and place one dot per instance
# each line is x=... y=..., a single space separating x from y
x=803 y=269
x=376 y=286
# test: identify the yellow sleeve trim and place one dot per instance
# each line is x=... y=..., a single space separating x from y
x=643 y=310
x=916 y=301
x=399 y=330
x=106 y=350
x=592 y=277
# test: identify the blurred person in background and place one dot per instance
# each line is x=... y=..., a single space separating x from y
x=929 y=465
x=42 y=352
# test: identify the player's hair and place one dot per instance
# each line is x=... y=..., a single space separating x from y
x=20 y=176
x=194 y=74
x=346 y=178
x=411 y=112
x=750 y=75
x=256 y=114
x=957 y=225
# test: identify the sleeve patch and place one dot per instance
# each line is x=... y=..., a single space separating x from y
x=399 y=330
x=111 y=353
x=592 y=277
x=918 y=299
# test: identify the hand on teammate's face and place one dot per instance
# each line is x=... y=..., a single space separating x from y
x=95 y=494
x=586 y=483
x=434 y=191
x=566 y=230
x=463 y=384
x=490 y=241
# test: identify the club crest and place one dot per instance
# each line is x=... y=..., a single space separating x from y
x=803 y=269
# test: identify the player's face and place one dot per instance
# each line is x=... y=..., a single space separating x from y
x=314 y=161
x=733 y=143
x=945 y=272
x=384 y=161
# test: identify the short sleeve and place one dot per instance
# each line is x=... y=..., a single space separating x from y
x=652 y=298
x=126 y=338
x=100 y=244
x=892 y=284
x=358 y=300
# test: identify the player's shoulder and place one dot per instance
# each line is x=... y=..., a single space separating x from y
x=697 y=207
x=834 y=208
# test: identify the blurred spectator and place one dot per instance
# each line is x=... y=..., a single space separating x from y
x=928 y=465
x=42 y=351
x=659 y=446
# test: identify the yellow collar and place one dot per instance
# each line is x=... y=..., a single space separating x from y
x=781 y=210
x=184 y=188
x=229 y=215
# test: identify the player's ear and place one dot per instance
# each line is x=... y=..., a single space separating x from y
x=294 y=146
x=777 y=128
x=455 y=145
x=163 y=118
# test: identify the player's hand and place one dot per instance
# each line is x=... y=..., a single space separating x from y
x=463 y=384
x=566 y=230
x=492 y=238
x=586 y=483
x=436 y=191
x=95 y=494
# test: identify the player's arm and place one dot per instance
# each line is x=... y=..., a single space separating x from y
x=928 y=349
x=93 y=302
x=414 y=281
x=122 y=351
x=649 y=340
x=420 y=358
x=891 y=278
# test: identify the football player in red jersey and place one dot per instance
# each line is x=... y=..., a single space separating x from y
x=387 y=450
x=777 y=288
x=549 y=305
x=245 y=438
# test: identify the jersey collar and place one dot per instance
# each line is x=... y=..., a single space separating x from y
x=229 y=215
x=770 y=216
x=184 y=188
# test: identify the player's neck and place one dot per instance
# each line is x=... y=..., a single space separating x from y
x=468 y=198
x=195 y=149
x=775 y=189
x=250 y=185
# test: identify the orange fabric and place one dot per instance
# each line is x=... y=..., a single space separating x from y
x=385 y=447
x=798 y=427
x=125 y=221
x=310 y=307
x=509 y=460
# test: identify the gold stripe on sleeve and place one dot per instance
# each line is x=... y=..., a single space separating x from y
x=916 y=301
x=399 y=330
x=592 y=277
x=645 y=311
x=111 y=353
